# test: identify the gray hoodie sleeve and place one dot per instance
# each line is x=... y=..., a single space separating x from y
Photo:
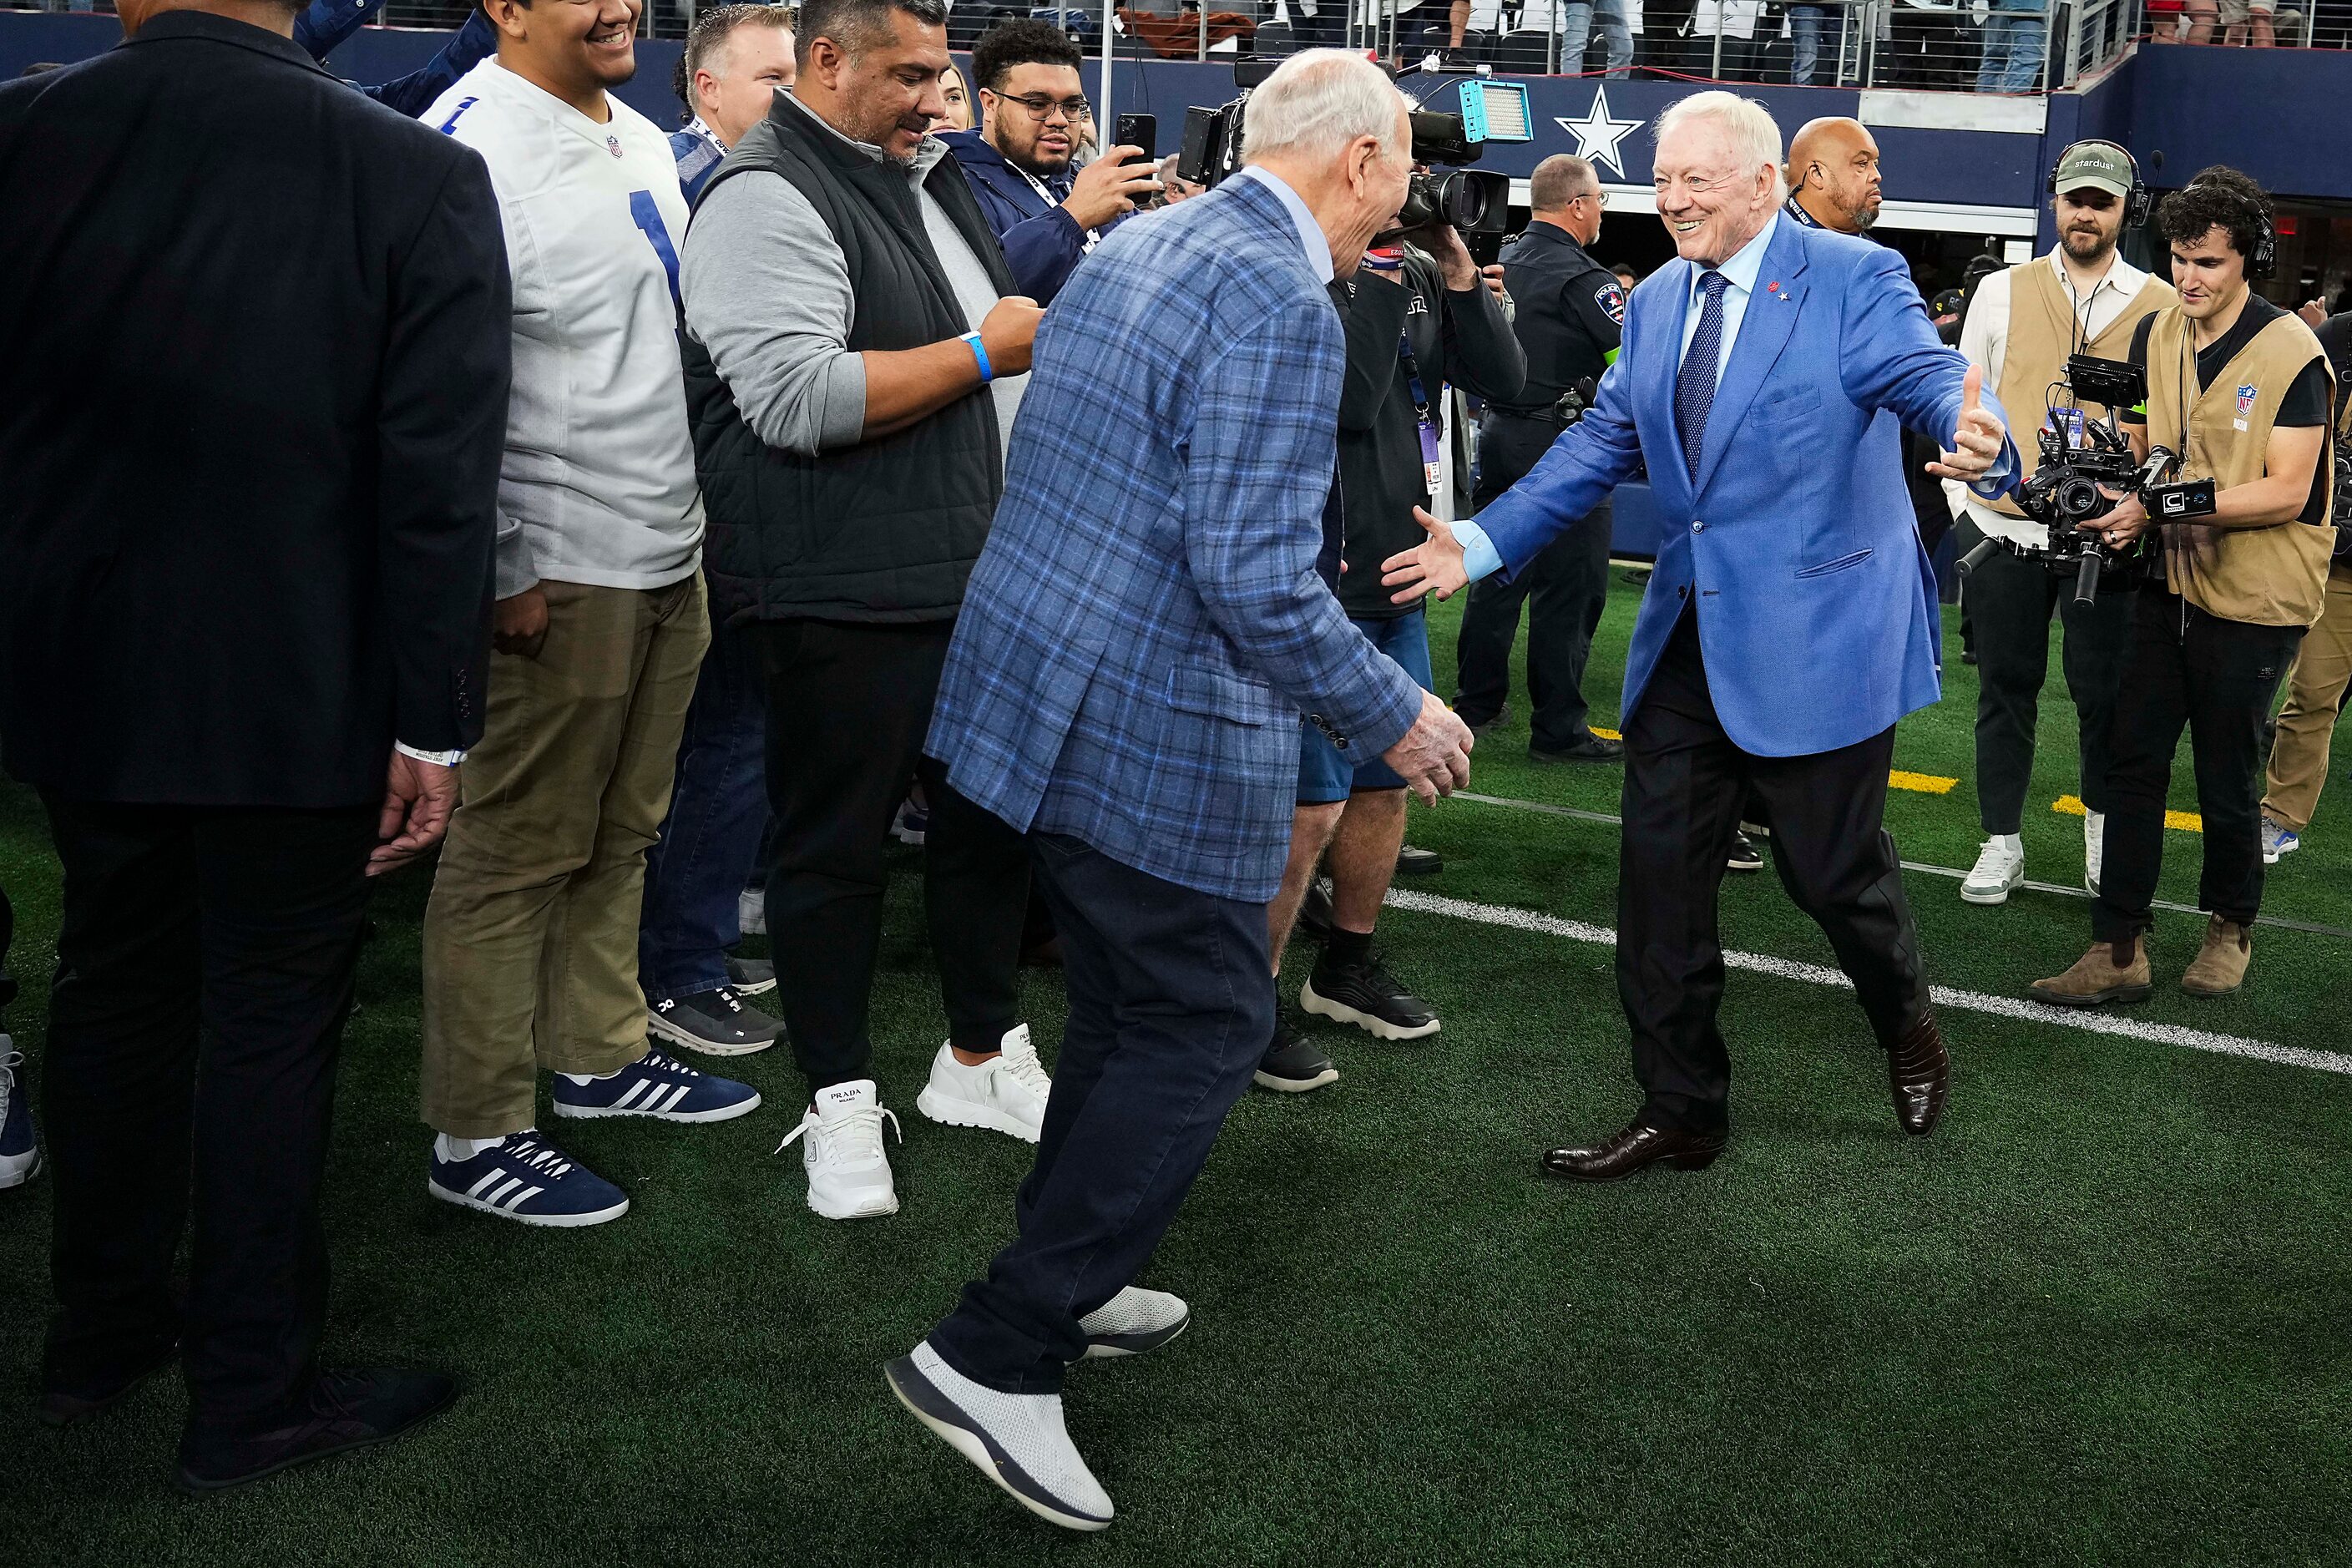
x=767 y=293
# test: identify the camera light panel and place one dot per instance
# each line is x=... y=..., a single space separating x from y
x=1496 y=111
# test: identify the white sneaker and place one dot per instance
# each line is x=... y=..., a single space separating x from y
x=1016 y=1440
x=841 y=1146
x=2000 y=867
x=1006 y=1093
x=2094 y=848
x=1133 y=1321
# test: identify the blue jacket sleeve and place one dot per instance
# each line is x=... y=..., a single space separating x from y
x=1041 y=251
x=1257 y=469
x=1892 y=359
x=322 y=28
x=412 y=94
x=1591 y=458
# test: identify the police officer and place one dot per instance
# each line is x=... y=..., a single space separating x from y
x=1569 y=311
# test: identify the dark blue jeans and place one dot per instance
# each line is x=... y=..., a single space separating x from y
x=711 y=837
x=1171 y=1003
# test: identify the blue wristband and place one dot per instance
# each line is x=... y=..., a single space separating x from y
x=987 y=370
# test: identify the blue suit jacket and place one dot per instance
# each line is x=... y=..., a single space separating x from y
x=1816 y=606
x=1145 y=625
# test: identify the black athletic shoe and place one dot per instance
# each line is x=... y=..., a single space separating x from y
x=715 y=1023
x=1479 y=727
x=1314 y=912
x=1745 y=856
x=1591 y=749
x=1413 y=862
x=1366 y=996
x=751 y=976
x=339 y=1412
x=65 y=1407
x=1292 y=1065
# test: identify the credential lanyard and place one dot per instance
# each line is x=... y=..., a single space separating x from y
x=1432 y=470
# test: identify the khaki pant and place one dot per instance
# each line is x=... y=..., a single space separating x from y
x=2315 y=695
x=530 y=937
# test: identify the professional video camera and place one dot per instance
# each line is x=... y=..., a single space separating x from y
x=1475 y=201
x=2085 y=459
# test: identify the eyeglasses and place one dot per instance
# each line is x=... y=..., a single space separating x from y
x=1041 y=107
x=1598 y=198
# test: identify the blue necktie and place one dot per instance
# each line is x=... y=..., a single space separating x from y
x=1694 y=384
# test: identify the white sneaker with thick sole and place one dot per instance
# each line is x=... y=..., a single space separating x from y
x=1016 y=1440
x=842 y=1150
x=1999 y=871
x=2094 y=848
x=1006 y=1093
x=1133 y=1321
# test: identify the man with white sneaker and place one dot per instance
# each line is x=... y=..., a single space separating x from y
x=855 y=350
x=530 y=937
x=2083 y=297
x=1138 y=641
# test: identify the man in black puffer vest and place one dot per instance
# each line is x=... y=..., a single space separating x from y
x=854 y=351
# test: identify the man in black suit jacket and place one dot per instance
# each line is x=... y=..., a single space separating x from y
x=253 y=385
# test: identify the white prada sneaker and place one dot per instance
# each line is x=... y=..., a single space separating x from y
x=1007 y=1093
x=2094 y=848
x=1133 y=1321
x=1999 y=868
x=1016 y=1440
x=842 y=1148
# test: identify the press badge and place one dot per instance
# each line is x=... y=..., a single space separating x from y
x=1433 y=472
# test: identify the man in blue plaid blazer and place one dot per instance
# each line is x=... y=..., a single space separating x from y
x=1136 y=641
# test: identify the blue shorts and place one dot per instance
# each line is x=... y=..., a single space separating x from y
x=1323 y=774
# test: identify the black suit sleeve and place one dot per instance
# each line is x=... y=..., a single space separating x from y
x=441 y=428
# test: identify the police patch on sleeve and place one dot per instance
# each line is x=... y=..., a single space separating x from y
x=1612 y=300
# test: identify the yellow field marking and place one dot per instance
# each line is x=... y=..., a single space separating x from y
x=1925 y=783
x=2185 y=821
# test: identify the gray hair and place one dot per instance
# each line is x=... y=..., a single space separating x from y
x=1317 y=101
x=1754 y=136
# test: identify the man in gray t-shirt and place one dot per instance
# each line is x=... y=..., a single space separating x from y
x=846 y=308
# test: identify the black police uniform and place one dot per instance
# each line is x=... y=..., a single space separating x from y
x=1571 y=312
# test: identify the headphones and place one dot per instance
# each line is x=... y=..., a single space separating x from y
x=2264 y=262
x=2135 y=205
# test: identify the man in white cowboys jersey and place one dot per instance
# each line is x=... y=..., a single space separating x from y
x=530 y=939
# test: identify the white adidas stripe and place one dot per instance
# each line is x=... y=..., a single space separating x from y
x=636 y=1090
x=476 y=1190
x=521 y=1199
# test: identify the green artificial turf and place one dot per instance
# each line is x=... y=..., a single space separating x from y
x=2099 y=1317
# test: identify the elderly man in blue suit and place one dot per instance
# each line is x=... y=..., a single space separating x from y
x=1141 y=632
x=1791 y=622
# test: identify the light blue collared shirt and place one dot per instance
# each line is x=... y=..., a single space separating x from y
x=1310 y=233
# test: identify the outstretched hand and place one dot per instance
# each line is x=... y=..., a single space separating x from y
x=1977 y=442
x=1434 y=567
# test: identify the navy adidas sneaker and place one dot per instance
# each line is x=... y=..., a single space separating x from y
x=20 y=1155
x=657 y=1085
x=524 y=1177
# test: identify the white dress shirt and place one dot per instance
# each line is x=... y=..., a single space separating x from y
x=1984 y=341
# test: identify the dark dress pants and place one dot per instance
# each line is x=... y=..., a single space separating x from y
x=1686 y=786
x=849 y=706
x=1564 y=588
x=2218 y=678
x=2010 y=604
x=1171 y=1003
x=205 y=969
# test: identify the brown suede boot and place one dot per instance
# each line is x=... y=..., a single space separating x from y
x=2110 y=971
x=2220 y=966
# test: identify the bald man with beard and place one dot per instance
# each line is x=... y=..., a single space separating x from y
x=1832 y=174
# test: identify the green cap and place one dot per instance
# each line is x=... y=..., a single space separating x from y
x=2101 y=165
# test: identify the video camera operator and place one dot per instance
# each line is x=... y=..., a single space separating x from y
x=2021 y=324
x=2210 y=641
x=1418 y=317
x=1571 y=312
x=2323 y=666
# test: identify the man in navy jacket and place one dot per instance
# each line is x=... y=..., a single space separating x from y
x=1046 y=212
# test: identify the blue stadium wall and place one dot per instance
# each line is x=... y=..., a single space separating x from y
x=1952 y=156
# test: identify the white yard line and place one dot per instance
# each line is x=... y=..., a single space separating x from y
x=2089 y=1021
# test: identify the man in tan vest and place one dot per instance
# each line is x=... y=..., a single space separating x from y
x=2323 y=669
x=2021 y=325
x=2242 y=390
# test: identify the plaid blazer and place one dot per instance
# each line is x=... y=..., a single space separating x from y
x=1145 y=623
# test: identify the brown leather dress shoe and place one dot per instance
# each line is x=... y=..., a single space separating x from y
x=1632 y=1149
x=1920 y=1074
